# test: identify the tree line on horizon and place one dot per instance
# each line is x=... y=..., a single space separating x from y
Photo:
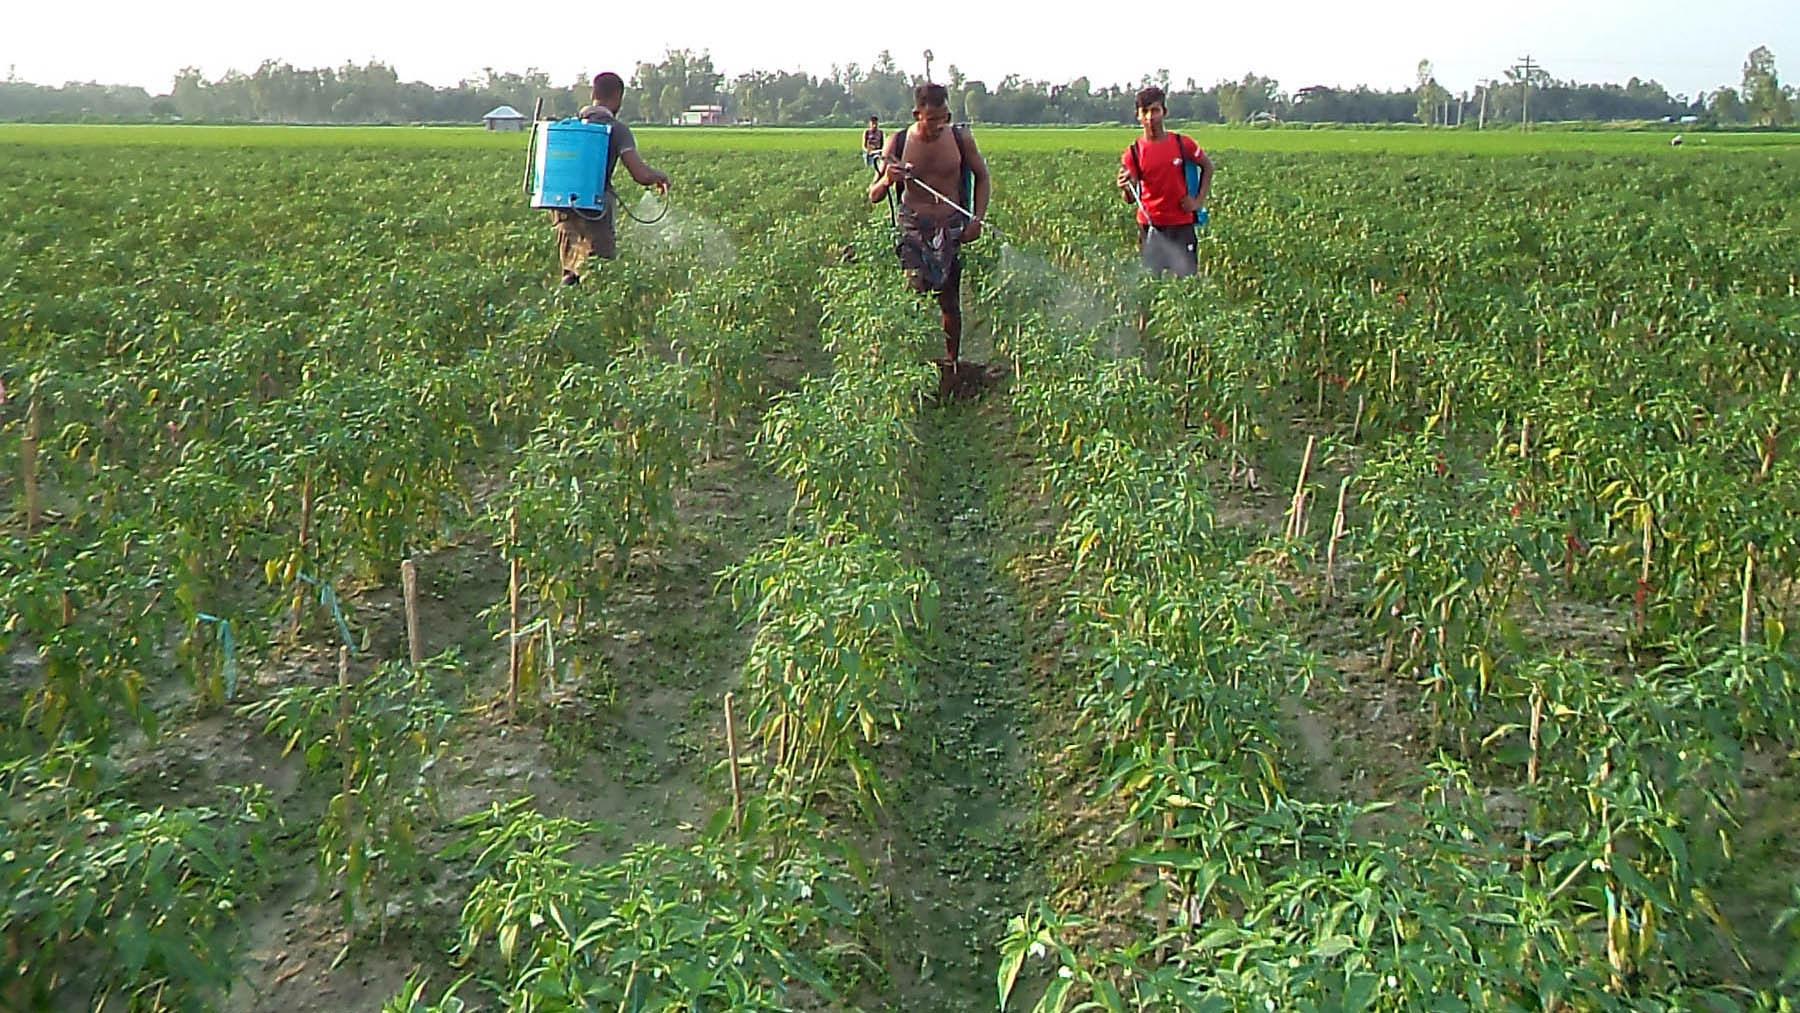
x=278 y=92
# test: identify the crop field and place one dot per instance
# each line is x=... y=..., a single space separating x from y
x=1393 y=617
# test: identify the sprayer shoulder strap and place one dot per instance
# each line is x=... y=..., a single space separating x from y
x=1138 y=168
x=958 y=131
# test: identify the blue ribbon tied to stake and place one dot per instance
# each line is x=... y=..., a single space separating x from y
x=228 y=647
x=328 y=597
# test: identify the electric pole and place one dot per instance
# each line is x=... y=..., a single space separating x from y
x=1481 y=115
x=1526 y=68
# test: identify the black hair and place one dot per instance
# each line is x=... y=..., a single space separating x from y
x=608 y=85
x=1152 y=96
x=930 y=95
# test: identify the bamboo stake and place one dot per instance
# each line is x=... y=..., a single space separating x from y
x=306 y=517
x=1531 y=765
x=343 y=728
x=28 y=460
x=1537 y=724
x=1356 y=427
x=1615 y=904
x=68 y=609
x=781 y=743
x=409 y=587
x=512 y=621
x=1296 y=511
x=1749 y=594
x=1394 y=368
x=1337 y=534
x=1525 y=439
x=1163 y=876
x=737 y=790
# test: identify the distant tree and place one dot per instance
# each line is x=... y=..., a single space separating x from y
x=1763 y=96
x=975 y=101
x=1727 y=107
x=1431 y=95
x=1241 y=100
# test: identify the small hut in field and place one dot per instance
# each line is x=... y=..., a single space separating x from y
x=504 y=118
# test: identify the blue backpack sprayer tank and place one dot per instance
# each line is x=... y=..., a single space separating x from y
x=567 y=168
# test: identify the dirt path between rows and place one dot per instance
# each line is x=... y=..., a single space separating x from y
x=962 y=851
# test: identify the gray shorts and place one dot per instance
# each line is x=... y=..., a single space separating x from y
x=1171 y=249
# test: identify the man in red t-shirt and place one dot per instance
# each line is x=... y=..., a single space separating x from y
x=1153 y=175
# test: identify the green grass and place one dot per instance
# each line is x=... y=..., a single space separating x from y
x=1048 y=140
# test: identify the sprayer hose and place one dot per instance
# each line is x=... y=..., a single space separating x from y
x=664 y=213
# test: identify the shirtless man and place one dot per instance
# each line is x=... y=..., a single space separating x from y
x=931 y=231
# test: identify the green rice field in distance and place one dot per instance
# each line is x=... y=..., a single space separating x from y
x=1390 y=140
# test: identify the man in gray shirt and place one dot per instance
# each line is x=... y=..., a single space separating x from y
x=579 y=236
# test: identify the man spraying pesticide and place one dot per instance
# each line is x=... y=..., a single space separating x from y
x=943 y=185
x=571 y=170
x=1169 y=178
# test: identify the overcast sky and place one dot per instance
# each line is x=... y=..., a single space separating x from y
x=1689 y=47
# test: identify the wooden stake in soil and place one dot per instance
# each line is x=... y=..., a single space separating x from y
x=512 y=621
x=1337 y=534
x=306 y=516
x=1296 y=525
x=409 y=591
x=28 y=460
x=737 y=790
x=1749 y=595
x=1525 y=439
x=1162 y=875
x=343 y=728
x=1356 y=426
x=781 y=743
x=1537 y=724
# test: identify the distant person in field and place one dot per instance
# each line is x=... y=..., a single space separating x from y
x=579 y=237
x=944 y=158
x=872 y=142
x=1153 y=175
